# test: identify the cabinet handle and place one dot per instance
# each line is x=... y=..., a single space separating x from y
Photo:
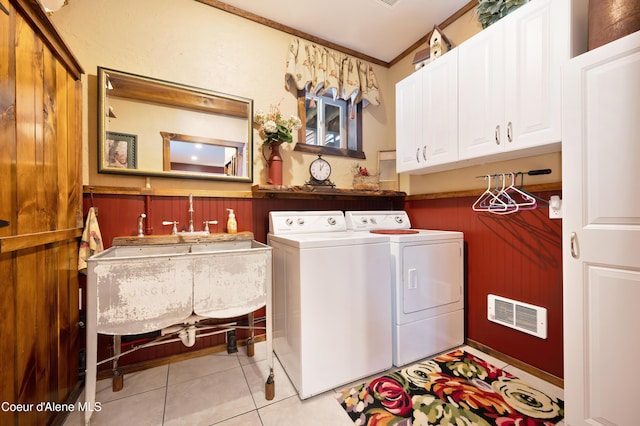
x=497 y=134
x=424 y=152
x=575 y=249
x=418 y=154
x=510 y=132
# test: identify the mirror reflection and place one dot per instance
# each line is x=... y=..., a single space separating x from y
x=157 y=128
x=185 y=153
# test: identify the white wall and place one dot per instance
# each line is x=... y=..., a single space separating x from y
x=191 y=43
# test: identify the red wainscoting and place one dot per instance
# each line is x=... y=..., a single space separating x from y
x=517 y=256
x=118 y=216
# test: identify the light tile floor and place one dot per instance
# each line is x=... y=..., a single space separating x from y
x=228 y=390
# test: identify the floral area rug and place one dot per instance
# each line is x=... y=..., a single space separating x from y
x=453 y=389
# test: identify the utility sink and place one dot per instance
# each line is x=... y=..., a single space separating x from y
x=145 y=284
x=146 y=287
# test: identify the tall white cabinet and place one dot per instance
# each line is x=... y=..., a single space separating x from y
x=601 y=234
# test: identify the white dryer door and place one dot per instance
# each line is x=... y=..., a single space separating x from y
x=432 y=276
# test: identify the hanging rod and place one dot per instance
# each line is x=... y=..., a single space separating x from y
x=530 y=173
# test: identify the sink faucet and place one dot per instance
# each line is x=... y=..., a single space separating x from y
x=190 y=229
x=191 y=213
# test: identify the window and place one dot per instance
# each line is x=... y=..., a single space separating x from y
x=330 y=126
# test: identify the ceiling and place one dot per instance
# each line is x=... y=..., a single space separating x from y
x=371 y=27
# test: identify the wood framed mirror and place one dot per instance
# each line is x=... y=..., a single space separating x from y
x=152 y=127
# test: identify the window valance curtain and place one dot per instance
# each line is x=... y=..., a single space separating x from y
x=321 y=70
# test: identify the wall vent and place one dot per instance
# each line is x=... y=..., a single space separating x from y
x=521 y=316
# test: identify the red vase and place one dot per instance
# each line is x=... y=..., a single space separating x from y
x=275 y=164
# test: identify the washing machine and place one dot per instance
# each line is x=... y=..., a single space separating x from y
x=427 y=283
x=331 y=292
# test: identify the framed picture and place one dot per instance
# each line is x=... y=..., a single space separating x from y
x=120 y=151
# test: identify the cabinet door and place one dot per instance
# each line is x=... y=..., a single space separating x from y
x=537 y=44
x=440 y=111
x=408 y=121
x=481 y=93
x=601 y=234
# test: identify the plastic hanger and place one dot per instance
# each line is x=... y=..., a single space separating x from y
x=512 y=205
x=488 y=201
x=528 y=201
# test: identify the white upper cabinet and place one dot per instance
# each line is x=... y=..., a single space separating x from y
x=427 y=115
x=408 y=122
x=495 y=97
x=440 y=110
x=510 y=81
x=481 y=93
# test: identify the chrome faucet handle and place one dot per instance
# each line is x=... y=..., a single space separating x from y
x=140 y=225
x=207 y=223
x=174 y=231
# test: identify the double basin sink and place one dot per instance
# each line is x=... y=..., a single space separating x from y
x=146 y=284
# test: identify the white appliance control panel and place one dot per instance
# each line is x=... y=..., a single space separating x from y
x=372 y=220
x=301 y=222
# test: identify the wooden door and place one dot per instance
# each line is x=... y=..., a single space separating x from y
x=601 y=234
x=40 y=178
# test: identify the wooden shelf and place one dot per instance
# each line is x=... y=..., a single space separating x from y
x=303 y=192
x=307 y=191
x=181 y=238
x=163 y=192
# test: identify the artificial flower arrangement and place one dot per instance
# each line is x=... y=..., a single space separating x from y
x=273 y=127
x=358 y=170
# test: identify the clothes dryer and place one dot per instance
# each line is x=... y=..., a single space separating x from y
x=427 y=283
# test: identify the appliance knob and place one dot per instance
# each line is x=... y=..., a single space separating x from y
x=300 y=221
x=363 y=220
x=332 y=221
x=289 y=221
x=399 y=219
x=373 y=220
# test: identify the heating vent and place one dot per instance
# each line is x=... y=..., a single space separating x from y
x=388 y=2
x=518 y=315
